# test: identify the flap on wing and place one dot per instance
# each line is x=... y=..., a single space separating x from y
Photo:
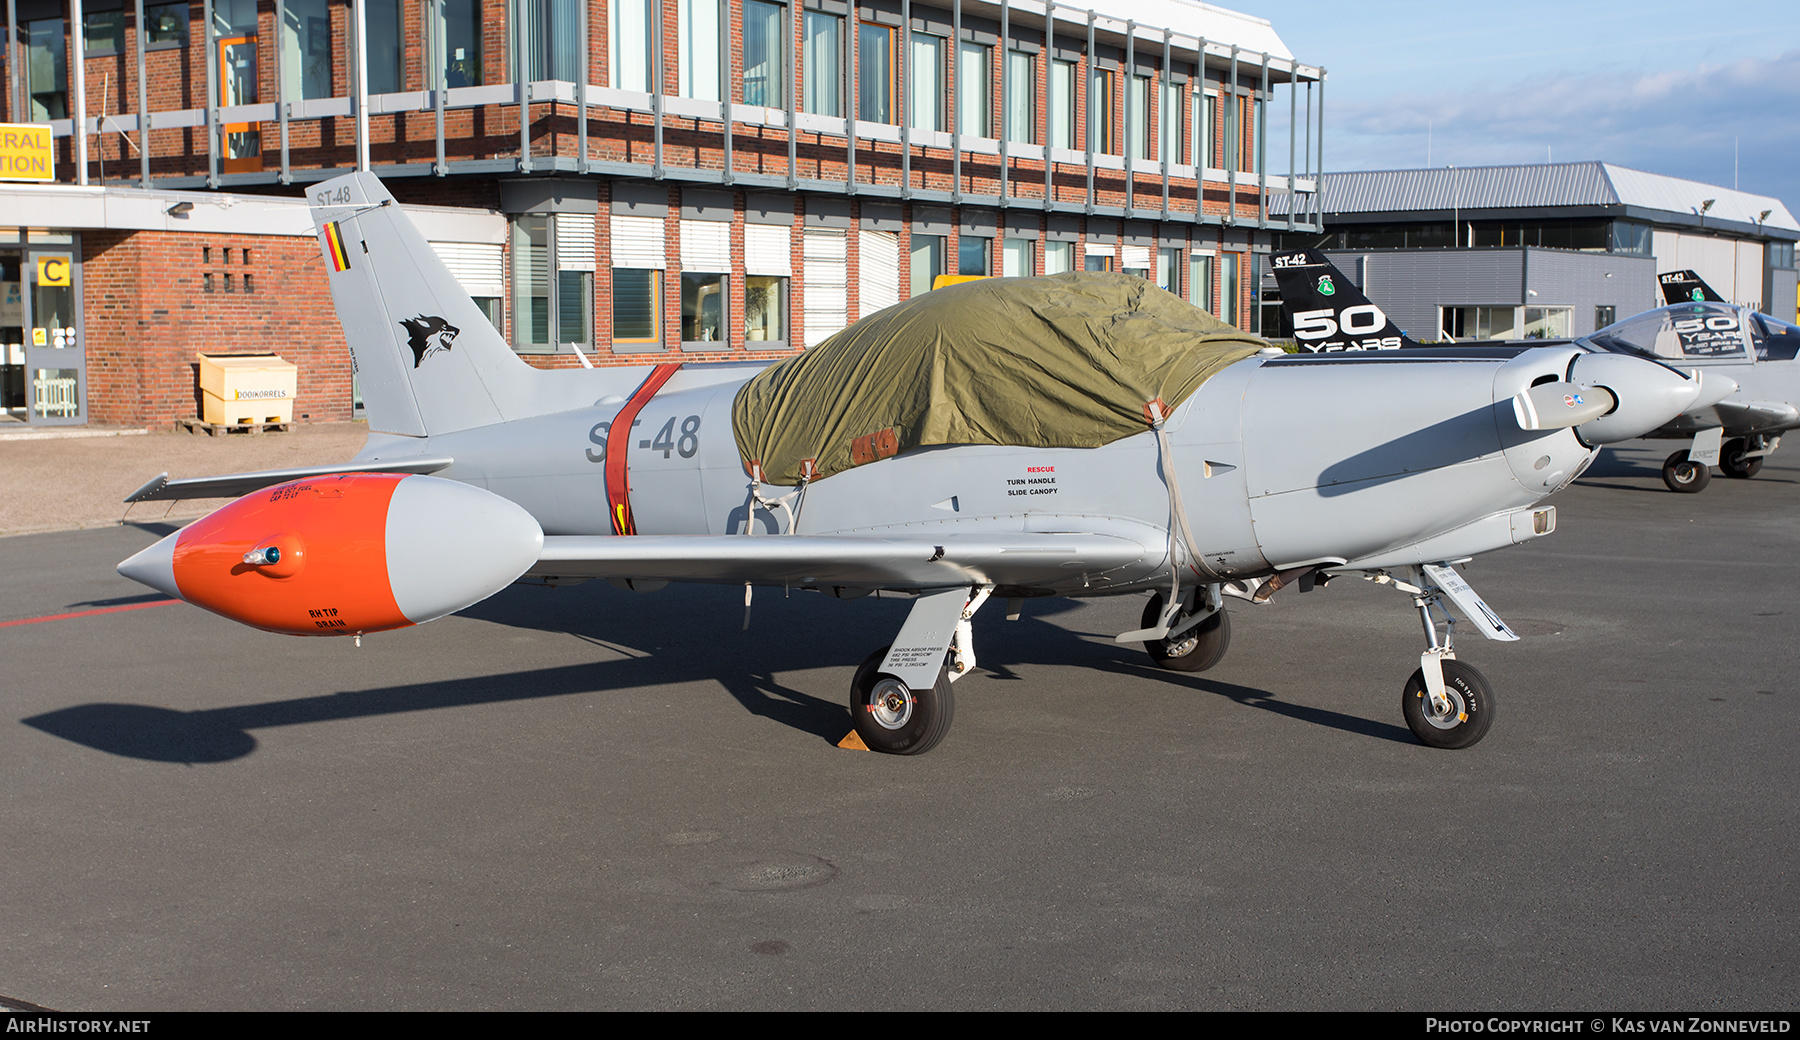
x=926 y=562
x=161 y=489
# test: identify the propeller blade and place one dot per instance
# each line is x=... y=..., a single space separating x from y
x=1560 y=405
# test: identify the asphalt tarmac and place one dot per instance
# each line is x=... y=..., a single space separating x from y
x=586 y=798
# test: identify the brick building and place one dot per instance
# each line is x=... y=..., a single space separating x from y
x=737 y=179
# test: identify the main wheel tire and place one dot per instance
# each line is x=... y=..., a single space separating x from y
x=1732 y=462
x=1685 y=476
x=1471 y=711
x=1195 y=650
x=892 y=717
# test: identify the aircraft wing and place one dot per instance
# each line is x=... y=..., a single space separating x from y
x=1758 y=414
x=161 y=489
x=926 y=561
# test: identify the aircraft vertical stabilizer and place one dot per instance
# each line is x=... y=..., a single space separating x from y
x=426 y=358
x=1329 y=313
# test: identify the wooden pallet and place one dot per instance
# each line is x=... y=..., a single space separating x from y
x=214 y=429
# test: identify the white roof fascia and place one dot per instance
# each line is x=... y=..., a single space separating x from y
x=1675 y=195
x=77 y=208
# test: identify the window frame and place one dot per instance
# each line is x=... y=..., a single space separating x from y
x=654 y=342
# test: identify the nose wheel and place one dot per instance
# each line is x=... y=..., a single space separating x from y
x=1682 y=474
x=1457 y=719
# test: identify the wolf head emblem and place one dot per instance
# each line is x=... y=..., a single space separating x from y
x=427 y=335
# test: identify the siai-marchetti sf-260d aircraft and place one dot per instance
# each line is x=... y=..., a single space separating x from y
x=1744 y=361
x=1078 y=435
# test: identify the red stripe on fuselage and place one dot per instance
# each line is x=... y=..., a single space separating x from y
x=618 y=442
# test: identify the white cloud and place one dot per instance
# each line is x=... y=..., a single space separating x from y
x=1679 y=122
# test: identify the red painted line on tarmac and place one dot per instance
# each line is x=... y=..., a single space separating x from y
x=88 y=613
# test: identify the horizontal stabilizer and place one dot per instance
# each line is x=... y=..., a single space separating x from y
x=161 y=489
x=940 y=561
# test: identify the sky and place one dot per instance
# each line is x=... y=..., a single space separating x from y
x=1669 y=88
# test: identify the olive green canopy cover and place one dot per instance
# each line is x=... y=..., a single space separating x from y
x=1067 y=361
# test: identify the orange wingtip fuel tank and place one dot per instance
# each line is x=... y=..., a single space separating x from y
x=345 y=555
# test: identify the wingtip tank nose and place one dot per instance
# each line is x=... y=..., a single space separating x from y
x=154 y=566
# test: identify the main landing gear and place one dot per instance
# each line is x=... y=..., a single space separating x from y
x=1192 y=644
x=1742 y=457
x=900 y=697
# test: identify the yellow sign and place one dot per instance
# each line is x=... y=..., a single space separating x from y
x=26 y=153
x=40 y=337
x=53 y=270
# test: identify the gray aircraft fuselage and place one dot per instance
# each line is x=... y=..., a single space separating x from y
x=1283 y=461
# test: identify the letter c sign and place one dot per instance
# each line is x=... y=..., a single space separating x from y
x=53 y=270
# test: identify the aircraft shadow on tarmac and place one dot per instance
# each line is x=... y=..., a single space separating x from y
x=791 y=634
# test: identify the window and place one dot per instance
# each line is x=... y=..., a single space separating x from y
x=972 y=255
x=629 y=33
x=1100 y=110
x=765 y=67
x=234 y=17
x=1201 y=154
x=1168 y=145
x=637 y=306
x=1137 y=128
x=1228 y=288
x=1097 y=262
x=166 y=25
x=383 y=17
x=1605 y=315
x=927 y=261
x=459 y=29
x=697 y=50
x=306 y=50
x=1021 y=98
x=704 y=297
x=103 y=32
x=1629 y=237
x=554 y=32
x=1200 y=282
x=1548 y=322
x=925 y=104
x=46 y=70
x=821 y=61
x=553 y=264
x=1478 y=322
x=531 y=282
x=1231 y=106
x=1018 y=257
x=1062 y=104
x=1059 y=257
x=765 y=309
x=875 y=73
x=972 y=89
x=1168 y=270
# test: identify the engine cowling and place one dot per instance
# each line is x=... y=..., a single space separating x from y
x=345 y=554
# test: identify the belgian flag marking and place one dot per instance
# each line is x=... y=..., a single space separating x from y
x=334 y=247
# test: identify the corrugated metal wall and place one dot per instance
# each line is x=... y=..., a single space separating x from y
x=1411 y=286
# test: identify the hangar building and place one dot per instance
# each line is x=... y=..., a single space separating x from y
x=1553 y=250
